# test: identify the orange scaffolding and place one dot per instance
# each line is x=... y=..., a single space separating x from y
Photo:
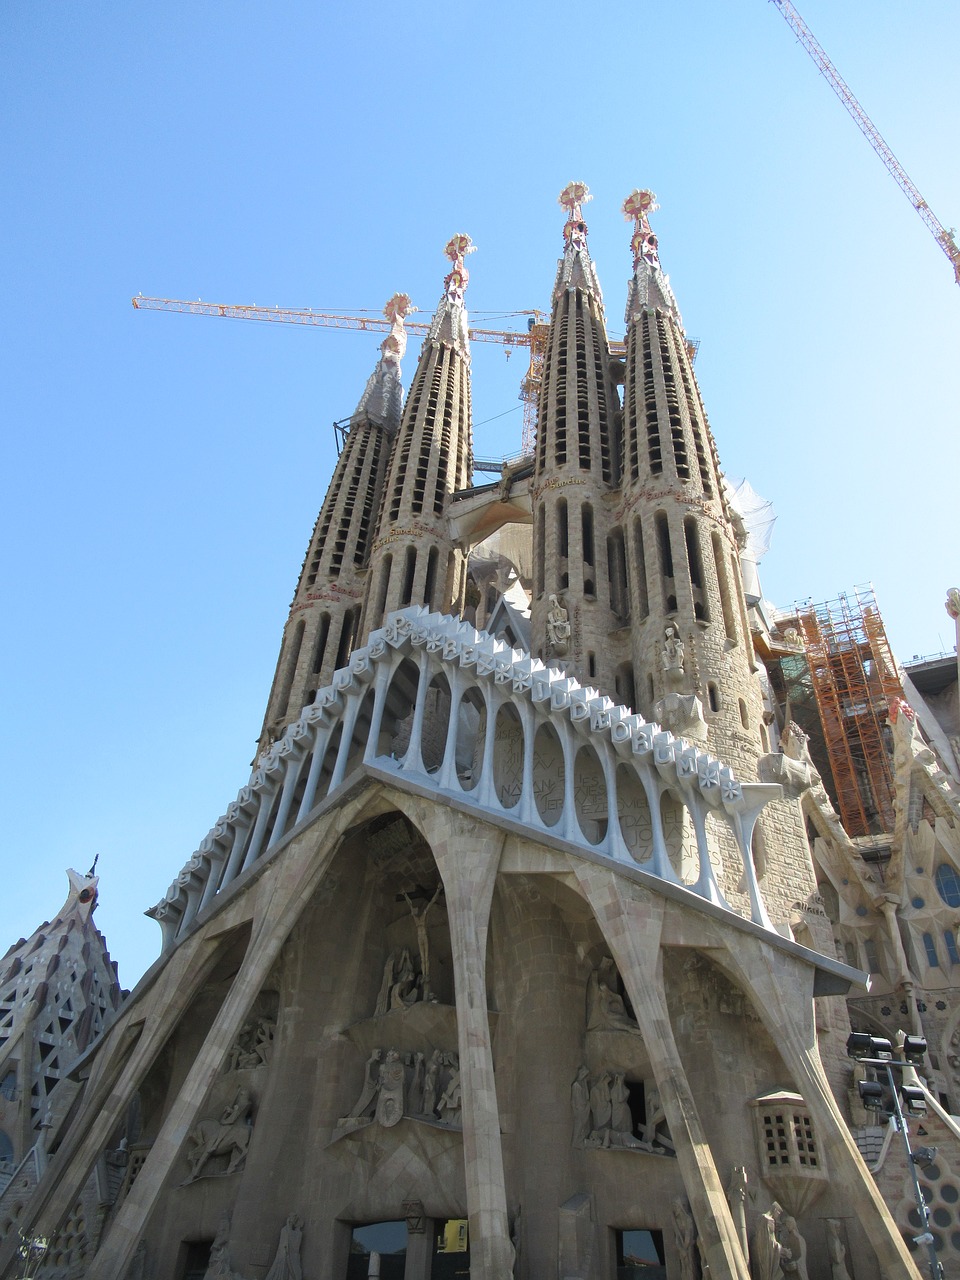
x=854 y=680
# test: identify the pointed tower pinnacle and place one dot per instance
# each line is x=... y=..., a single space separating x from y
x=449 y=324
x=576 y=468
x=693 y=662
x=575 y=269
x=382 y=399
x=414 y=560
x=649 y=287
x=324 y=619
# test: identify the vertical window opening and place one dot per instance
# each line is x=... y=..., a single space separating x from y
x=665 y=551
x=409 y=569
x=291 y=667
x=347 y=635
x=640 y=576
x=726 y=605
x=540 y=558
x=691 y=537
x=320 y=646
x=431 y=580
x=617 y=572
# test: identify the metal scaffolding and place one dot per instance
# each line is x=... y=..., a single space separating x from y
x=854 y=680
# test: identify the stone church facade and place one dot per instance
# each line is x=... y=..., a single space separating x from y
x=518 y=953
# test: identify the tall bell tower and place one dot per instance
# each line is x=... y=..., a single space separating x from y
x=575 y=615
x=324 y=620
x=693 y=663
x=414 y=560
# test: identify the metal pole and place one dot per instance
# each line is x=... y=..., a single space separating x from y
x=935 y=1271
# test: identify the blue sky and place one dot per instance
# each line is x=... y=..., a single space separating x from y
x=163 y=472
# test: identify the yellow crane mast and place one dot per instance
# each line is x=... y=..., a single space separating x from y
x=946 y=239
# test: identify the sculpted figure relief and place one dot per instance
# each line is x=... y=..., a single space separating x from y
x=580 y=1101
x=253 y=1045
x=390 y=1096
x=229 y=1136
x=558 y=627
x=423 y=941
x=684 y=1234
x=793 y=1247
x=286 y=1265
x=766 y=1251
x=836 y=1251
x=601 y=1113
x=450 y=1102
x=672 y=651
x=397 y=1084
x=605 y=1008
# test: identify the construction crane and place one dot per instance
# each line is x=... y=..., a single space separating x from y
x=946 y=239
x=535 y=338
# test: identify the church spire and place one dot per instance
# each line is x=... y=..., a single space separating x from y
x=382 y=399
x=576 y=467
x=692 y=649
x=649 y=287
x=449 y=323
x=575 y=269
x=414 y=559
x=324 y=619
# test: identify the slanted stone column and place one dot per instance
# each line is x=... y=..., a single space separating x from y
x=468 y=856
x=631 y=918
x=781 y=989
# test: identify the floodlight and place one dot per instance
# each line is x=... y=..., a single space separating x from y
x=914 y=1048
x=915 y=1099
x=871 y=1094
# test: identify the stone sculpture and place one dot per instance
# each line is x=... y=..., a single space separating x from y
x=606 y=1010
x=450 y=1102
x=766 y=1250
x=390 y=1094
x=601 y=1107
x=398 y=1084
x=219 y=1267
x=793 y=1247
x=655 y=1118
x=836 y=1251
x=558 y=627
x=286 y=1265
x=672 y=652
x=621 y=1121
x=431 y=1084
x=229 y=1136
x=601 y=1113
x=252 y=1047
x=684 y=1234
x=580 y=1100
x=368 y=1097
x=403 y=992
x=423 y=941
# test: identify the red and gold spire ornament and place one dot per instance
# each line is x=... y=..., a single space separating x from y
x=395 y=343
x=572 y=197
x=636 y=208
x=456 y=249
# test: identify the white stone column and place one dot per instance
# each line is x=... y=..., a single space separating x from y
x=467 y=853
x=631 y=919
